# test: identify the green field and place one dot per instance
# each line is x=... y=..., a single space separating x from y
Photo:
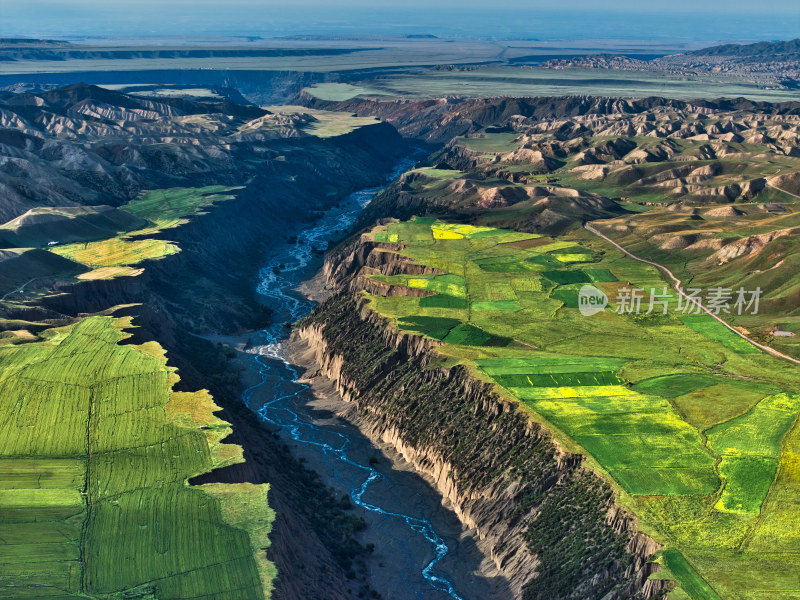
x=686 y=419
x=116 y=252
x=159 y=210
x=717 y=331
x=169 y=208
x=325 y=123
x=443 y=301
x=112 y=240
x=96 y=450
x=671 y=386
x=694 y=585
x=747 y=482
x=494 y=143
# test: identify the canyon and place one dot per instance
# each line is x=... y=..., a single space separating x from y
x=231 y=296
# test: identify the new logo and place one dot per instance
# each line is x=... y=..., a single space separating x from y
x=591 y=300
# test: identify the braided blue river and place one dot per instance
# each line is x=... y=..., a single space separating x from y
x=278 y=388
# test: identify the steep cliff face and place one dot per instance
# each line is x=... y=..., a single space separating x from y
x=551 y=525
x=286 y=195
x=306 y=538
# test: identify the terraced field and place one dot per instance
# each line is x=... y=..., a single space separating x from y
x=697 y=430
x=95 y=452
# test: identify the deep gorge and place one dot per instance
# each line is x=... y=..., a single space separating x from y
x=549 y=524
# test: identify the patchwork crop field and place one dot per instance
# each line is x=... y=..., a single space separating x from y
x=695 y=427
x=95 y=452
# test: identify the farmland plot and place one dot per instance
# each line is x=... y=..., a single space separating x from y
x=695 y=427
x=95 y=453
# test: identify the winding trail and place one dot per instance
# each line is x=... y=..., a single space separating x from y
x=289 y=266
x=678 y=287
x=775 y=187
x=18 y=290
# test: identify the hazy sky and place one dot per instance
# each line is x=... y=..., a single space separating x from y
x=543 y=19
x=21 y=6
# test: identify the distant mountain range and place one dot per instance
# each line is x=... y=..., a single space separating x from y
x=32 y=43
x=766 y=50
x=769 y=65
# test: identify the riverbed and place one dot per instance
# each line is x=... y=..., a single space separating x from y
x=422 y=551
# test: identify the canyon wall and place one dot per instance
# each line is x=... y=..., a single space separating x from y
x=550 y=525
x=210 y=286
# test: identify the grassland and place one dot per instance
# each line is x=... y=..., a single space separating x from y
x=116 y=252
x=170 y=208
x=159 y=210
x=19 y=266
x=696 y=432
x=490 y=142
x=326 y=123
x=96 y=450
x=110 y=273
x=694 y=229
x=694 y=201
x=694 y=585
x=44 y=225
x=336 y=92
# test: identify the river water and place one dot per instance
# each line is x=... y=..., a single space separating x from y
x=275 y=398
